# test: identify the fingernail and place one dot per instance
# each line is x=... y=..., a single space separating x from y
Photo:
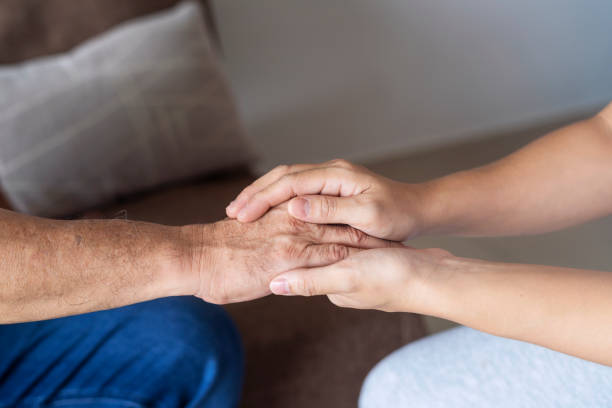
x=280 y=286
x=231 y=206
x=299 y=207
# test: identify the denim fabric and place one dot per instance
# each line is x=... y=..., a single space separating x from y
x=166 y=353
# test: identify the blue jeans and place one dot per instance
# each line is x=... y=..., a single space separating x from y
x=166 y=353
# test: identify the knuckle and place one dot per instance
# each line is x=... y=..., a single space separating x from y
x=377 y=207
x=291 y=250
x=255 y=196
x=341 y=163
x=318 y=232
x=305 y=286
x=327 y=207
x=374 y=211
x=288 y=178
x=281 y=169
x=337 y=251
x=262 y=196
x=247 y=191
x=356 y=236
x=297 y=226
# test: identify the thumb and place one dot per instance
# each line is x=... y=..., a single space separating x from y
x=323 y=209
x=324 y=280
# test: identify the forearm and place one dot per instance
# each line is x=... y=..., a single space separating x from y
x=55 y=268
x=561 y=179
x=567 y=310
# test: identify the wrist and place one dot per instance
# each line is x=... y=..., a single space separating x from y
x=152 y=257
x=423 y=208
x=444 y=287
x=472 y=292
x=192 y=259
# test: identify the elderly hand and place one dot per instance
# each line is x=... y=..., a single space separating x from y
x=235 y=262
x=388 y=279
x=337 y=192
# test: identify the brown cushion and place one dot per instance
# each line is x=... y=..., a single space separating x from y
x=3 y=202
x=32 y=28
x=301 y=352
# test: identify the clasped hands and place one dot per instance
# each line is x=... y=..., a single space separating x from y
x=338 y=235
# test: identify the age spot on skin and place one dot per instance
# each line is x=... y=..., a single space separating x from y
x=78 y=239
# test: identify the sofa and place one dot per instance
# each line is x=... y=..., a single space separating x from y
x=300 y=352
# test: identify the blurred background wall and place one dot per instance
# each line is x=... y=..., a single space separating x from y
x=361 y=79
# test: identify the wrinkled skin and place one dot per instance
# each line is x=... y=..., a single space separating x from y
x=236 y=262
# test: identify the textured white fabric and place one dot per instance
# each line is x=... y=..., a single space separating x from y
x=462 y=367
x=140 y=105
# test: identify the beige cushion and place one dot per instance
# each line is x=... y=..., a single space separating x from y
x=136 y=107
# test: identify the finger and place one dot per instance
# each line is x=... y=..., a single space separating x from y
x=270 y=177
x=324 y=254
x=349 y=236
x=274 y=175
x=328 y=181
x=320 y=209
x=331 y=279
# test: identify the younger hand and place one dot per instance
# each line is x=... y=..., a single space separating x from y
x=232 y=262
x=388 y=279
x=336 y=192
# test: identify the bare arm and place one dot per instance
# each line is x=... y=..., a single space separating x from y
x=55 y=268
x=563 y=178
x=568 y=310
x=51 y=268
x=559 y=180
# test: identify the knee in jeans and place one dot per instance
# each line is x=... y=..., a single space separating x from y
x=193 y=327
x=198 y=344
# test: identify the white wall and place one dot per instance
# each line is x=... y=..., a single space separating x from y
x=316 y=79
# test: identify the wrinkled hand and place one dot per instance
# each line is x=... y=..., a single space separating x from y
x=236 y=262
x=388 y=279
x=336 y=192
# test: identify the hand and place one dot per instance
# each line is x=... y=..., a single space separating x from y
x=336 y=192
x=388 y=279
x=235 y=262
